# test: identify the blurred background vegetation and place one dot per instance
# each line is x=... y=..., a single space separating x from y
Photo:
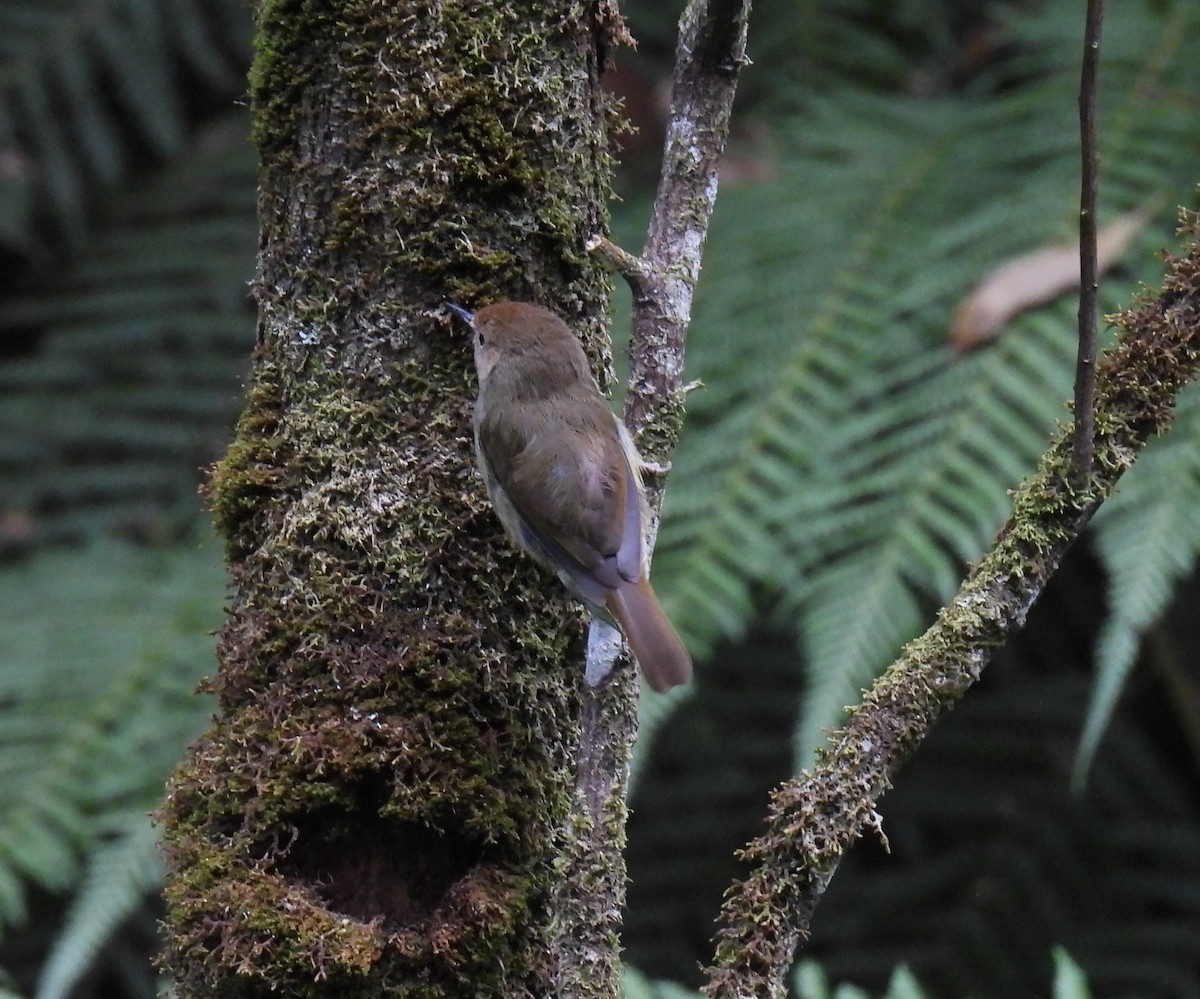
x=841 y=467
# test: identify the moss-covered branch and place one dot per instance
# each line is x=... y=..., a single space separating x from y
x=814 y=818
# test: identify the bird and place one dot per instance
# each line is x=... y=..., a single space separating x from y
x=564 y=476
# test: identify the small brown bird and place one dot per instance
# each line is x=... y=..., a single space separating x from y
x=563 y=475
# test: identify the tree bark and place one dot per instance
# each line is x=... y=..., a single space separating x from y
x=385 y=804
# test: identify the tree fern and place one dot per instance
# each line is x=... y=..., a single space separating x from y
x=842 y=466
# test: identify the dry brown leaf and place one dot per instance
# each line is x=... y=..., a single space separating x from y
x=1033 y=279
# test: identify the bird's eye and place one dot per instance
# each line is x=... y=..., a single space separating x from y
x=482 y=341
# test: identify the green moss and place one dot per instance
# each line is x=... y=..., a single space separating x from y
x=460 y=121
x=276 y=86
x=375 y=808
x=249 y=474
x=374 y=578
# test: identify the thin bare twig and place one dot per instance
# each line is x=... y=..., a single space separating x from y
x=1083 y=444
x=632 y=268
x=709 y=57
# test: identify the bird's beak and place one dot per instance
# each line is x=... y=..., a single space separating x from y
x=465 y=315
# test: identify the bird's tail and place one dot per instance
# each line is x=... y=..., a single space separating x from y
x=657 y=647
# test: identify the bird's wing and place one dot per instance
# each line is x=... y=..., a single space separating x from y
x=572 y=486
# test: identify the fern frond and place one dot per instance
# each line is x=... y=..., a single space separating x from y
x=102 y=651
x=982 y=424
x=809 y=981
x=85 y=87
x=1109 y=874
x=144 y=343
x=653 y=711
x=1148 y=538
x=119 y=875
x=635 y=985
x=859 y=468
x=1069 y=979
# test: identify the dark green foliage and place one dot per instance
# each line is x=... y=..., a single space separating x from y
x=842 y=467
x=128 y=236
x=89 y=89
x=101 y=656
x=837 y=473
x=1003 y=859
x=144 y=342
x=992 y=859
x=812 y=982
x=1147 y=541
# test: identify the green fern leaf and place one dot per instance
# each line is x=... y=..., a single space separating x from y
x=923 y=520
x=211 y=40
x=858 y=469
x=635 y=985
x=142 y=87
x=1069 y=980
x=86 y=87
x=119 y=875
x=1148 y=538
x=102 y=651
x=144 y=344
x=810 y=982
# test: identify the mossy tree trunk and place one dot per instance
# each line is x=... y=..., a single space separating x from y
x=386 y=803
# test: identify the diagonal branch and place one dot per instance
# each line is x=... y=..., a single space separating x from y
x=815 y=817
